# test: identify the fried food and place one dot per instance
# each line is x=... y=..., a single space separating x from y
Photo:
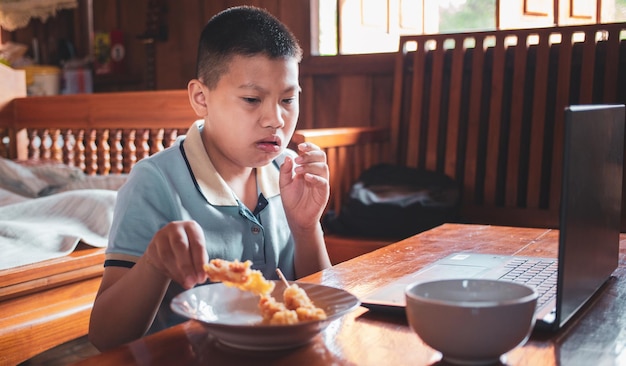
x=297 y=306
x=296 y=299
x=275 y=312
x=238 y=274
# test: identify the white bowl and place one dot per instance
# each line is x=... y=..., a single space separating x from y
x=233 y=317
x=471 y=321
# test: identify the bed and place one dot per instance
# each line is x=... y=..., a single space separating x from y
x=62 y=159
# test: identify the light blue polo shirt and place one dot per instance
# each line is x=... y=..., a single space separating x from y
x=181 y=183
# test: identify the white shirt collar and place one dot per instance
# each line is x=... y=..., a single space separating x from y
x=211 y=184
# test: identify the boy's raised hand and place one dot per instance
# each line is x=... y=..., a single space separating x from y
x=178 y=251
x=305 y=189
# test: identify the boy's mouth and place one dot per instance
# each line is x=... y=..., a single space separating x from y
x=270 y=144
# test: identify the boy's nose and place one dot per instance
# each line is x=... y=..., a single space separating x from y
x=274 y=117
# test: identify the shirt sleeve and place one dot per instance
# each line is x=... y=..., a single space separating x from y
x=144 y=205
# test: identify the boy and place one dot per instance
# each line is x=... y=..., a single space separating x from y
x=229 y=189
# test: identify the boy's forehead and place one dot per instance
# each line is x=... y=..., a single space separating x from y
x=261 y=58
x=248 y=69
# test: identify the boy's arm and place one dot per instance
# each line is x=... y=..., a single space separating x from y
x=310 y=253
x=126 y=304
x=129 y=299
x=305 y=191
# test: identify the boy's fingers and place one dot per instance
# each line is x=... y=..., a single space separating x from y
x=197 y=251
x=181 y=253
x=318 y=169
x=306 y=150
x=286 y=172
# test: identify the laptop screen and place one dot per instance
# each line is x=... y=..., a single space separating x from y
x=591 y=199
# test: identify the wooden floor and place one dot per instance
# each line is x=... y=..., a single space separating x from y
x=64 y=354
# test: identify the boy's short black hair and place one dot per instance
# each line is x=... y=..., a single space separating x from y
x=245 y=31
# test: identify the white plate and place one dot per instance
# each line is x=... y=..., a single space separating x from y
x=234 y=318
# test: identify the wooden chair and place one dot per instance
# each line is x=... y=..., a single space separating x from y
x=485 y=109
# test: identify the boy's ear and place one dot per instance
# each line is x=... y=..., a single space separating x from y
x=197 y=97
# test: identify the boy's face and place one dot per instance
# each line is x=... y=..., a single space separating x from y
x=252 y=112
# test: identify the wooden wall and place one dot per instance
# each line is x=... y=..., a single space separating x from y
x=337 y=91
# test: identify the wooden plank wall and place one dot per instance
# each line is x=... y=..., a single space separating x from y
x=336 y=91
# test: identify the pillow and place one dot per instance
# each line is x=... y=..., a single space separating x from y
x=55 y=174
x=111 y=182
x=20 y=179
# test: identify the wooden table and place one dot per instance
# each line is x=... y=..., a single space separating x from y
x=363 y=337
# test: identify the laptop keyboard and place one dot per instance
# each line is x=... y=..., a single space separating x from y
x=540 y=274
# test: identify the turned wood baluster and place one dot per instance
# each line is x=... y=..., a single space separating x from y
x=129 y=150
x=104 y=152
x=68 y=147
x=169 y=138
x=143 y=148
x=156 y=142
x=33 y=147
x=56 y=153
x=44 y=148
x=117 y=164
x=5 y=142
x=79 y=150
x=91 y=153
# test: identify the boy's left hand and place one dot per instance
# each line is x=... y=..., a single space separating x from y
x=305 y=190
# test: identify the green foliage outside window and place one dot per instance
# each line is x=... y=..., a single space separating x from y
x=469 y=15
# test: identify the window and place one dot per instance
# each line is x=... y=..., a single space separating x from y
x=372 y=26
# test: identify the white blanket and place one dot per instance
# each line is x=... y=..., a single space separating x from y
x=36 y=229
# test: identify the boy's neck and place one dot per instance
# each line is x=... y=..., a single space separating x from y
x=245 y=188
x=242 y=180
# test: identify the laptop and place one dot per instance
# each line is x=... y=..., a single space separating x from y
x=589 y=227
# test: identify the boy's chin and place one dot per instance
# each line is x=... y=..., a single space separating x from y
x=267 y=159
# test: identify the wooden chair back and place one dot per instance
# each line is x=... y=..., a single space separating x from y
x=487 y=109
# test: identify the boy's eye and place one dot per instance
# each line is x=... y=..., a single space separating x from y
x=251 y=100
x=289 y=100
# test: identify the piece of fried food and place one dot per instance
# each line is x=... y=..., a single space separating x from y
x=295 y=298
x=238 y=274
x=297 y=307
x=274 y=312
x=308 y=314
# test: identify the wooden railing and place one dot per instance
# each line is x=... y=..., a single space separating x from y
x=98 y=151
x=100 y=133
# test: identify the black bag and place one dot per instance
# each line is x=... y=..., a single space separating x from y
x=395 y=202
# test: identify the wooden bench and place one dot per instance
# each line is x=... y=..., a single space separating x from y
x=48 y=303
x=487 y=110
